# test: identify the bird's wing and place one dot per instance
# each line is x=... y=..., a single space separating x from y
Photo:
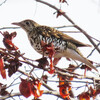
x=48 y=31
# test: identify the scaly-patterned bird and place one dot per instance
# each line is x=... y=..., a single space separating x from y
x=67 y=46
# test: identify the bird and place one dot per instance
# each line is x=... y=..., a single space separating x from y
x=67 y=46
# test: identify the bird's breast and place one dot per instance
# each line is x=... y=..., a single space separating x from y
x=36 y=39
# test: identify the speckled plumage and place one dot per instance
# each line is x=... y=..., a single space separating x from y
x=67 y=46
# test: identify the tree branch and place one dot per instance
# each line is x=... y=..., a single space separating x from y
x=3 y=2
x=9 y=28
x=55 y=93
x=10 y=95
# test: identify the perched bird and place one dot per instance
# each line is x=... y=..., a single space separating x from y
x=67 y=46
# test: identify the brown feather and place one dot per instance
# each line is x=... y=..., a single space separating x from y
x=51 y=31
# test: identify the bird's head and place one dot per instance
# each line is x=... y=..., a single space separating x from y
x=27 y=25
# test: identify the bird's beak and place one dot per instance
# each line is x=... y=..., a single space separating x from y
x=17 y=23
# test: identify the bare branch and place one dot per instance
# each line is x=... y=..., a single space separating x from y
x=55 y=93
x=64 y=26
x=11 y=95
x=9 y=28
x=3 y=2
x=71 y=31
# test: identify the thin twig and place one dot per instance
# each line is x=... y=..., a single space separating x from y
x=76 y=76
x=3 y=28
x=11 y=84
x=70 y=81
x=95 y=39
x=64 y=26
x=93 y=50
x=70 y=31
x=3 y=2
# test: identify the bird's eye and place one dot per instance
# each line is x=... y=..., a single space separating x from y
x=27 y=23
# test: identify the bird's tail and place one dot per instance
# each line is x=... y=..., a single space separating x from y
x=86 y=61
x=78 y=56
